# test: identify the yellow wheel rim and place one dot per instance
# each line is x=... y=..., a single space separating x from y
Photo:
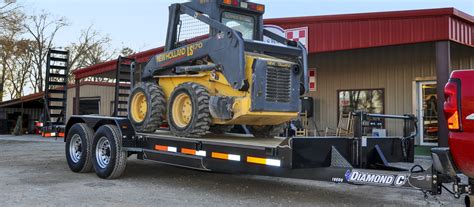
x=139 y=107
x=182 y=110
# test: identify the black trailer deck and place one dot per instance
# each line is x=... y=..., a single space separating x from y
x=357 y=160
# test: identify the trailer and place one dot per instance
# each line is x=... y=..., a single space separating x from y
x=103 y=144
x=228 y=76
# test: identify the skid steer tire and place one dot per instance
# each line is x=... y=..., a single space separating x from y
x=267 y=131
x=79 y=148
x=109 y=158
x=188 y=110
x=147 y=107
x=221 y=129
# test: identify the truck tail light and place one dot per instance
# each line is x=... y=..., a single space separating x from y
x=452 y=105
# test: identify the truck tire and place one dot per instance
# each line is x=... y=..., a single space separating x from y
x=267 y=131
x=469 y=200
x=188 y=110
x=79 y=148
x=221 y=129
x=147 y=106
x=109 y=158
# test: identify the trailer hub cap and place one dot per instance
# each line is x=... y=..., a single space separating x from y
x=139 y=107
x=182 y=110
x=102 y=152
x=75 y=148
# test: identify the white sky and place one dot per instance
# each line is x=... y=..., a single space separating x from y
x=141 y=24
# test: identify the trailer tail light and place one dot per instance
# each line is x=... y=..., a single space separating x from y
x=452 y=105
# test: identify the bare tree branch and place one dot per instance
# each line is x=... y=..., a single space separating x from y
x=42 y=28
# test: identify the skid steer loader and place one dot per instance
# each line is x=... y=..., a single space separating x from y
x=223 y=76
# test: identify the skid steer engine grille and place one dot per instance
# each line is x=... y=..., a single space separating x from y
x=278 y=85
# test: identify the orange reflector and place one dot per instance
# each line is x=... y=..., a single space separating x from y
x=260 y=8
x=219 y=155
x=188 y=151
x=228 y=2
x=161 y=148
x=453 y=121
x=256 y=160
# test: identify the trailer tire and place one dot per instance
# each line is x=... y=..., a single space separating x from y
x=269 y=131
x=221 y=129
x=188 y=110
x=79 y=148
x=109 y=158
x=151 y=96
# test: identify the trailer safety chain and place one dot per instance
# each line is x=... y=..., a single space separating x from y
x=412 y=170
x=435 y=198
x=456 y=195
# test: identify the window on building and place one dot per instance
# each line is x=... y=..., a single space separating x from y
x=88 y=106
x=368 y=100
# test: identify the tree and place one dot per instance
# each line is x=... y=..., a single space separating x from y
x=126 y=51
x=10 y=25
x=19 y=67
x=7 y=9
x=43 y=29
x=91 y=48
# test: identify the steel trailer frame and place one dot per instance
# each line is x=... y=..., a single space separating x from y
x=353 y=160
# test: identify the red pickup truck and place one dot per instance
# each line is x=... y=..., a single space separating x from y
x=459 y=111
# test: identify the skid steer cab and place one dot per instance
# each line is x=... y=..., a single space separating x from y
x=216 y=72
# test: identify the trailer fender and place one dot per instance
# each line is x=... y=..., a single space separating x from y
x=70 y=123
x=94 y=122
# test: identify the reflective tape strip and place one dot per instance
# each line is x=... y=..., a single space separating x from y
x=193 y=152
x=201 y=153
x=224 y=156
x=52 y=134
x=264 y=161
x=49 y=134
x=166 y=148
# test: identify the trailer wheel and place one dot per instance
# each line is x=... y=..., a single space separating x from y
x=221 y=129
x=79 y=148
x=109 y=158
x=188 y=110
x=267 y=131
x=147 y=105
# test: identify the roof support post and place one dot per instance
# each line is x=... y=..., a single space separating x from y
x=78 y=96
x=443 y=70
